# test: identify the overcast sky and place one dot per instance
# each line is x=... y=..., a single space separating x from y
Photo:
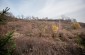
x=46 y=8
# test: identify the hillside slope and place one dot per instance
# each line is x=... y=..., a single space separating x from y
x=38 y=38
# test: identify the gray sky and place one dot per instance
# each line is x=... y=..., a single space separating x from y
x=46 y=8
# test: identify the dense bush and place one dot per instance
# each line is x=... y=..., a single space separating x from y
x=7 y=45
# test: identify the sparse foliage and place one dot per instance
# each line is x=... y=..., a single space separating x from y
x=3 y=19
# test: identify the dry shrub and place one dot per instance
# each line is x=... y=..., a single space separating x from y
x=76 y=25
x=43 y=46
x=66 y=36
x=3 y=30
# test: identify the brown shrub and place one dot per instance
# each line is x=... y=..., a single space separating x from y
x=43 y=46
x=76 y=25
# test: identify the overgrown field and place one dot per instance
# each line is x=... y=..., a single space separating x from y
x=47 y=38
x=40 y=37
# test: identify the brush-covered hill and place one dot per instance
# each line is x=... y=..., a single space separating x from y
x=35 y=37
x=46 y=37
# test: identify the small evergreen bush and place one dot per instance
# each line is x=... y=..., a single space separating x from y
x=82 y=39
x=7 y=44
